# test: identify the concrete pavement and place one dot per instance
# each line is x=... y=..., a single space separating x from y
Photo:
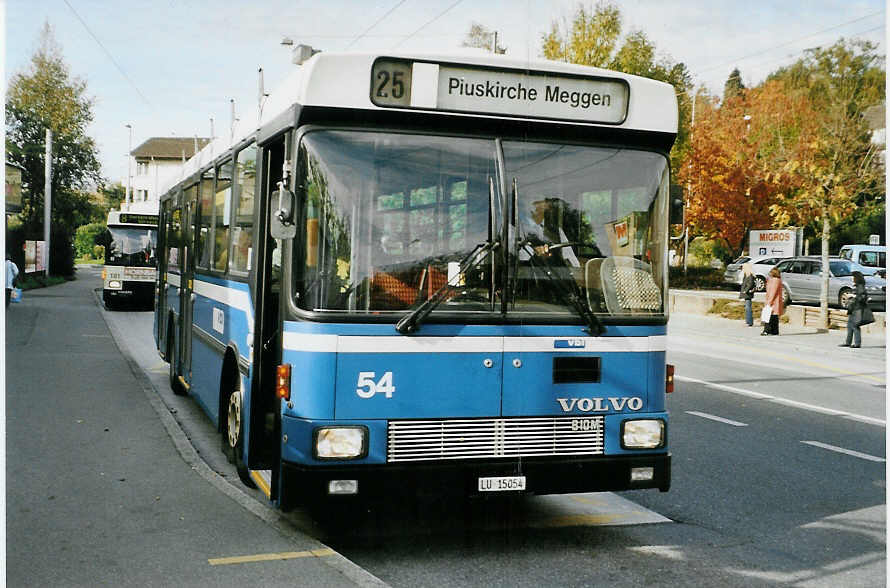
x=97 y=493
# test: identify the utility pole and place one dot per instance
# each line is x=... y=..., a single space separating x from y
x=47 y=198
x=129 y=149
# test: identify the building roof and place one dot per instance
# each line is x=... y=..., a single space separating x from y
x=169 y=147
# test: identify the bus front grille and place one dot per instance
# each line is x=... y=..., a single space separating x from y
x=419 y=440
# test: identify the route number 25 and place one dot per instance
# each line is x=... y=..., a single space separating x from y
x=368 y=387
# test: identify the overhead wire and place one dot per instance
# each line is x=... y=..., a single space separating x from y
x=110 y=56
x=426 y=24
x=376 y=22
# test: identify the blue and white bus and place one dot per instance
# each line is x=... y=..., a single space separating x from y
x=431 y=273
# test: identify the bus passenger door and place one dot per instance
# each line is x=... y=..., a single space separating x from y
x=186 y=290
x=262 y=406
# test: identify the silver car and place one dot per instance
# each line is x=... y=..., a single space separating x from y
x=760 y=266
x=802 y=281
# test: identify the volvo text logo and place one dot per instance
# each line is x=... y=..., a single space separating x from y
x=600 y=404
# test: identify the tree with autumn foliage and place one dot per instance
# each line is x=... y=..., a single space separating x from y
x=832 y=169
x=730 y=169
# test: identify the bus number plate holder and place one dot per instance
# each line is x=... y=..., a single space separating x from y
x=502 y=484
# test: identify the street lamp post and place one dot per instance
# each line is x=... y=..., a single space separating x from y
x=129 y=149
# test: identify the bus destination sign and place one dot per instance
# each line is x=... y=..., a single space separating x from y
x=494 y=91
x=138 y=219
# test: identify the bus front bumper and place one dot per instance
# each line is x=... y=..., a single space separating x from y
x=303 y=484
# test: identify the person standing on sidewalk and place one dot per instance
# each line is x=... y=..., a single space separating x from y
x=746 y=292
x=12 y=273
x=775 y=298
x=855 y=310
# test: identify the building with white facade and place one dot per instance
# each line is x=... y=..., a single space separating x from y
x=156 y=160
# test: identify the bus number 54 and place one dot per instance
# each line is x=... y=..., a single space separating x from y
x=367 y=387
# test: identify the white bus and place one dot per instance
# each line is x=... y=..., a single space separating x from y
x=131 y=263
x=429 y=273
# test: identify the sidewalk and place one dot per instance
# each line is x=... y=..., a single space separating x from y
x=816 y=343
x=99 y=493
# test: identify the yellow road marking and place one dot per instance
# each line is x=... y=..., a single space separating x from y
x=226 y=561
x=577 y=520
x=264 y=487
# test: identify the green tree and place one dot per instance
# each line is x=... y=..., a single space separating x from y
x=592 y=38
x=47 y=97
x=834 y=171
x=733 y=87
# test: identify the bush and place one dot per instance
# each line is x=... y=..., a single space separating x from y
x=702 y=251
x=698 y=278
x=85 y=238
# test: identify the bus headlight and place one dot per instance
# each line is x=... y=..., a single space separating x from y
x=642 y=434
x=114 y=285
x=341 y=442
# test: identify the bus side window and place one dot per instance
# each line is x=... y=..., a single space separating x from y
x=205 y=220
x=242 y=223
x=222 y=205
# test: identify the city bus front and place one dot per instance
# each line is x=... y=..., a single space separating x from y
x=473 y=312
x=130 y=260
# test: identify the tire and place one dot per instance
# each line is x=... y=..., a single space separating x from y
x=233 y=433
x=107 y=301
x=175 y=384
x=786 y=296
x=759 y=283
x=844 y=297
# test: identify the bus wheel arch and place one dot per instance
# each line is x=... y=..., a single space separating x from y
x=231 y=417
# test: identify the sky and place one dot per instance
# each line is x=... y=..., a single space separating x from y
x=166 y=67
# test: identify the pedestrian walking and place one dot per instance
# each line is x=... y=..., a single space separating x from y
x=775 y=299
x=858 y=312
x=746 y=292
x=12 y=274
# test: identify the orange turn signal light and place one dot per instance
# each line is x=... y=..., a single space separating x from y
x=669 y=379
x=282 y=381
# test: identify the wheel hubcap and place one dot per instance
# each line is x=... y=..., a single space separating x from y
x=234 y=418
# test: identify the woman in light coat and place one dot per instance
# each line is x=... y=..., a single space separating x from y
x=775 y=298
x=746 y=292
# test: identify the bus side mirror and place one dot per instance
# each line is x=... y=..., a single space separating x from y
x=676 y=211
x=281 y=223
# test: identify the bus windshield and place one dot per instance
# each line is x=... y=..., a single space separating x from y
x=131 y=246
x=553 y=232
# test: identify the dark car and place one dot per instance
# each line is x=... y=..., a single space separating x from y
x=802 y=281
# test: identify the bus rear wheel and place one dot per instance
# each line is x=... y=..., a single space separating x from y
x=234 y=436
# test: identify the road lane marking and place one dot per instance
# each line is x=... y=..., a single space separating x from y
x=712 y=417
x=786 y=401
x=241 y=559
x=845 y=451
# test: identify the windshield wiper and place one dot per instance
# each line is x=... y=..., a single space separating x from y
x=570 y=296
x=410 y=322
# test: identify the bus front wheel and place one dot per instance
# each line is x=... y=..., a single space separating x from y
x=234 y=439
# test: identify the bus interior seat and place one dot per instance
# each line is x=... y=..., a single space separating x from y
x=629 y=287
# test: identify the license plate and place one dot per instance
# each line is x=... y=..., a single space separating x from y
x=502 y=484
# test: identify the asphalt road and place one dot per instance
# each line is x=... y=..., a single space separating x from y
x=778 y=479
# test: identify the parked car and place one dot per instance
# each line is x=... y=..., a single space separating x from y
x=760 y=266
x=802 y=281
x=872 y=257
